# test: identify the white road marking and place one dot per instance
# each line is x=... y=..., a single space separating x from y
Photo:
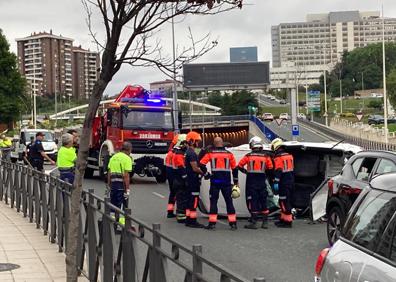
x=158 y=195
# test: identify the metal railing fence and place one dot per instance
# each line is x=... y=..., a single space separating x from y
x=107 y=249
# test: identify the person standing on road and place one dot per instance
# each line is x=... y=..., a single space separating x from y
x=169 y=176
x=37 y=153
x=193 y=178
x=258 y=163
x=66 y=159
x=120 y=165
x=222 y=163
x=180 y=179
x=283 y=182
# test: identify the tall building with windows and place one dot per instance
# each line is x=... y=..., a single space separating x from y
x=46 y=60
x=322 y=38
x=85 y=66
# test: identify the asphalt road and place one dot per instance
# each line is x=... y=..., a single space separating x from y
x=269 y=103
x=275 y=254
x=306 y=134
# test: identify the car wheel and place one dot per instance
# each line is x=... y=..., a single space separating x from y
x=335 y=221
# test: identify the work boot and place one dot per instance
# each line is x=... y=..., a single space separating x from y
x=264 y=225
x=251 y=225
x=210 y=226
x=181 y=218
x=194 y=224
x=170 y=215
x=233 y=226
x=283 y=224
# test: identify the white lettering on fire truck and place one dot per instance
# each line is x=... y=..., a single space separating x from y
x=149 y=136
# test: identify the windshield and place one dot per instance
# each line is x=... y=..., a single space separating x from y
x=48 y=136
x=148 y=120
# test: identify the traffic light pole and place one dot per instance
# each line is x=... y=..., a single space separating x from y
x=293 y=103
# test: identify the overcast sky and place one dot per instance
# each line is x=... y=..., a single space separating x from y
x=250 y=26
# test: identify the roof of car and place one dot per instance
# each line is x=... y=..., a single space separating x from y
x=378 y=153
x=386 y=181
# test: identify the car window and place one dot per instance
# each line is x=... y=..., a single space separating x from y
x=385 y=166
x=387 y=246
x=363 y=171
x=369 y=221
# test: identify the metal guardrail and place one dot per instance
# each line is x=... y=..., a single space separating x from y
x=364 y=143
x=107 y=250
x=270 y=135
x=214 y=119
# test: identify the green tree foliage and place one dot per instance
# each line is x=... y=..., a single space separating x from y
x=391 y=86
x=12 y=84
x=361 y=64
x=233 y=104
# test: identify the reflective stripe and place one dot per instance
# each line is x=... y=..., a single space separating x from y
x=184 y=176
x=249 y=197
x=282 y=197
x=195 y=202
x=116 y=175
x=213 y=218
x=66 y=169
x=276 y=179
x=170 y=207
x=193 y=214
x=220 y=169
x=117 y=180
x=232 y=217
x=286 y=217
x=195 y=193
x=187 y=212
x=265 y=212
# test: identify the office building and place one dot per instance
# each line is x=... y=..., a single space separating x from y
x=243 y=54
x=46 y=60
x=322 y=38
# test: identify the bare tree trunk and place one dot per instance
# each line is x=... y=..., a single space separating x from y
x=74 y=221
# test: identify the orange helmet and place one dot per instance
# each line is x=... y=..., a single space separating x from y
x=193 y=136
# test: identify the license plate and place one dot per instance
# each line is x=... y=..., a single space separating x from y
x=160 y=144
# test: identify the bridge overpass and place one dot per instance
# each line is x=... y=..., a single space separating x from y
x=196 y=109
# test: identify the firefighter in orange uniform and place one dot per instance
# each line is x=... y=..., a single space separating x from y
x=283 y=182
x=258 y=163
x=169 y=176
x=180 y=178
x=222 y=163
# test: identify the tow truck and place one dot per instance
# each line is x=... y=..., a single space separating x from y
x=141 y=118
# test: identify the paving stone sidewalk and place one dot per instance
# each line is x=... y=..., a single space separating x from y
x=22 y=244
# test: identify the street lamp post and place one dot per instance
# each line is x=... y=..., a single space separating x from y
x=325 y=87
x=384 y=79
x=174 y=97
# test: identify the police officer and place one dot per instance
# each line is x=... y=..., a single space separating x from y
x=258 y=163
x=66 y=158
x=193 y=178
x=120 y=165
x=169 y=176
x=37 y=153
x=222 y=163
x=283 y=182
x=180 y=179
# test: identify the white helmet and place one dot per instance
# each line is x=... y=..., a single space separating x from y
x=256 y=143
x=236 y=192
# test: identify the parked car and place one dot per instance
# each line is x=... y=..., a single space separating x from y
x=366 y=250
x=284 y=116
x=344 y=188
x=375 y=119
x=314 y=163
x=268 y=117
x=282 y=101
x=301 y=116
x=49 y=143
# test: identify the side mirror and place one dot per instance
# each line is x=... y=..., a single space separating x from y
x=56 y=141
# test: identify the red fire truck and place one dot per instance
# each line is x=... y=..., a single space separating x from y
x=138 y=117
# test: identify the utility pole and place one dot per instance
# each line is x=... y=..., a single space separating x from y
x=384 y=79
x=325 y=87
x=293 y=102
x=174 y=104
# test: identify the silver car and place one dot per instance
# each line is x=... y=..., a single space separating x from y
x=366 y=250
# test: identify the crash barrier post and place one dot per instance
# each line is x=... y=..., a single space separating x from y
x=264 y=129
x=364 y=143
x=112 y=245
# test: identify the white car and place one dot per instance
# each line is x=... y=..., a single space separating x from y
x=313 y=164
x=268 y=117
x=302 y=116
x=49 y=143
x=284 y=116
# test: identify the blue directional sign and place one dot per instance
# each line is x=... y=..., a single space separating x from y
x=295 y=130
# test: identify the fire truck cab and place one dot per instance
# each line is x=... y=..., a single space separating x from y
x=141 y=118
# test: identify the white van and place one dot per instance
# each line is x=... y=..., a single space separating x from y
x=49 y=143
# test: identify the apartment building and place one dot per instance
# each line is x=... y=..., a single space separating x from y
x=85 y=72
x=322 y=39
x=46 y=60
